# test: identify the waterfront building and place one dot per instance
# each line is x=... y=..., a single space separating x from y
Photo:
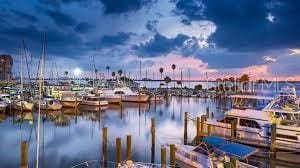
x=6 y=63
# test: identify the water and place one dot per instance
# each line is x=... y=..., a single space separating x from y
x=68 y=139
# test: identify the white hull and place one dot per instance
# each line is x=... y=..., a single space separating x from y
x=69 y=103
x=95 y=103
x=135 y=98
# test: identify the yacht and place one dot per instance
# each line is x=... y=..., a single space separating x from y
x=70 y=99
x=128 y=95
x=110 y=96
x=213 y=152
x=49 y=104
x=3 y=106
x=94 y=101
x=22 y=105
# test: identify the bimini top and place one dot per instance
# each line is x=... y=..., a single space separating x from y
x=252 y=97
x=234 y=149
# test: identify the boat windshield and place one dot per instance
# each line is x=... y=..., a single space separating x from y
x=247 y=103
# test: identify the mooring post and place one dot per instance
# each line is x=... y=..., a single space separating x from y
x=118 y=152
x=152 y=140
x=233 y=162
x=203 y=118
x=129 y=148
x=273 y=140
x=233 y=130
x=207 y=112
x=24 y=154
x=185 y=127
x=198 y=127
x=163 y=156
x=172 y=155
x=104 y=147
x=208 y=129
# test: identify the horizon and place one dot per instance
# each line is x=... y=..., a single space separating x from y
x=224 y=39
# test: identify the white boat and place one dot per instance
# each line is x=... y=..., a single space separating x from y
x=212 y=152
x=110 y=96
x=49 y=105
x=128 y=95
x=94 y=101
x=70 y=99
x=3 y=106
x=5 y=98
x=23 y=105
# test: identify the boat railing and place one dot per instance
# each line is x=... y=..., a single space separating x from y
x=244 y=165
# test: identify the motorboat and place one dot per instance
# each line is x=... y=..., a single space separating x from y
x=5 y=98
x=213 y=152
x=3 y=106
x=110 y=96
x=94 y=101
x=49 y=105
x=23 y=105
x=70 y=99
x=128 y=95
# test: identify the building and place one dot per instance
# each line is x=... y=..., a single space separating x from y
x=6 y=63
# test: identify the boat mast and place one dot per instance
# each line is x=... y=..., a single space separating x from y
x=21 y=73
x=41 y=83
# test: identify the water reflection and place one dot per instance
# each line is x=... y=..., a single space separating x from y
x=71 y=136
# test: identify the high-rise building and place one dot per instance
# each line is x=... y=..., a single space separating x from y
x=6 y=63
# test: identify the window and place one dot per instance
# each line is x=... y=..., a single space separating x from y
x=194 y=158
x=187 y=155
x=228 y=120
x=249 y=123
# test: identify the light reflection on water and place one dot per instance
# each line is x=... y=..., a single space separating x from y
x=70 y=137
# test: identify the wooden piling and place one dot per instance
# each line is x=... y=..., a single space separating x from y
x=129 y=148
x=118 y=151
x=172 y=155
x=208 y=129
x=104 y=147
x=233 y=162
x=163 y=156
x=152 y=140
x=233 y=130
x=198 y=127
x=185 y=127
x=207 y=112
x=24 y=154
x=273 y=140
x=203 y=118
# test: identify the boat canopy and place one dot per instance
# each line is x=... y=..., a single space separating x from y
x=252 y=97
x=234 y=149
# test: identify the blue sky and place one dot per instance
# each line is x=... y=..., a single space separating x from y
x=223 y=38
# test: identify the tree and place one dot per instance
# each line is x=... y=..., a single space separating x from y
x=244 y=79
x=113 y=74
x=198 y=87
x=161 y=70
x=107 y=68
x=66 y=74
x=167 y=80
x=173 y=68
x=120 y=72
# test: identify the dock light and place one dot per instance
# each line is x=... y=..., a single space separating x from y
x=77 y=71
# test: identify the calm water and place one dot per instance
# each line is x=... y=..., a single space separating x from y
x=69 y=139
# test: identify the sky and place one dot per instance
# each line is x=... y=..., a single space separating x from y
x=221 y=38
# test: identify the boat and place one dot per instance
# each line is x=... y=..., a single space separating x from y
x=155 y=97
x=213 y=152
x=110 y=96
x=3 y=106
x=128 y=95
x=94 y=101
x=70 y=99
x=23 y=105
x=49 y=105
x=5 y=98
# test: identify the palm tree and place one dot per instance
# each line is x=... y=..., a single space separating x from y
x=173 y=68
x=167 y=79
x=245 y=80
x=66 y=74
x=120 y=72
x=113 y=74
x=107 y=68
x=161 y=70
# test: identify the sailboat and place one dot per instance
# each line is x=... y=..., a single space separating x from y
x=22 y=104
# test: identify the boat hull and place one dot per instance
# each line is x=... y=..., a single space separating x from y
x=114 y=100
x=135 y=98
x=2 y=108
x=26 y=106
x=70 y=103
x=94 y=103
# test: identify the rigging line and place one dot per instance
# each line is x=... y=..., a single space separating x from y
x=41 y=82
x=27 y=64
